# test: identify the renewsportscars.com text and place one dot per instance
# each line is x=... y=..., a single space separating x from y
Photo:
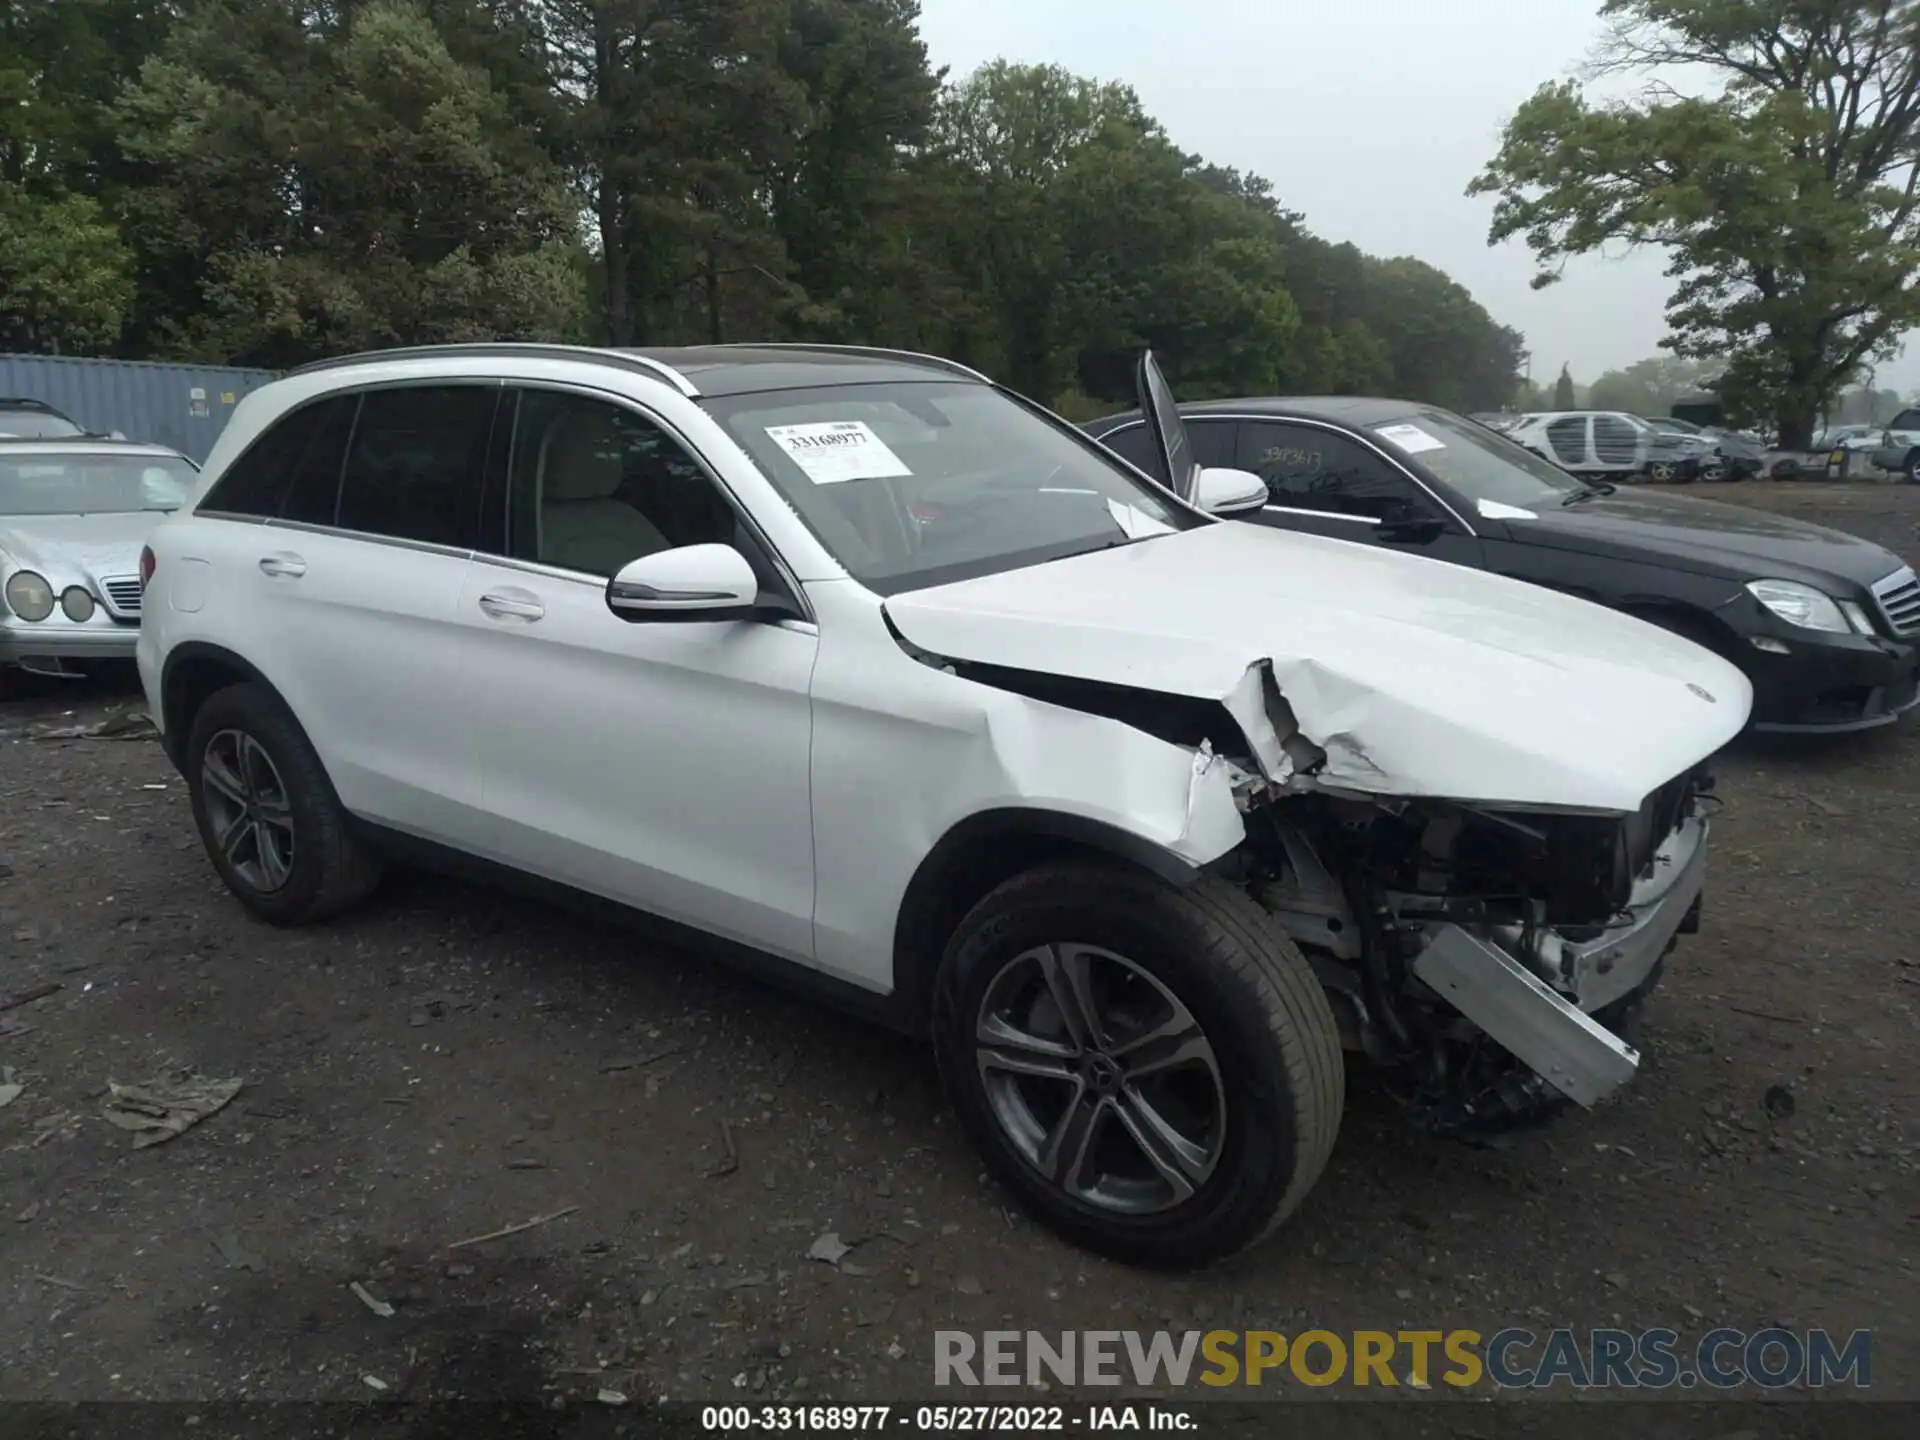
x=1510 y=1358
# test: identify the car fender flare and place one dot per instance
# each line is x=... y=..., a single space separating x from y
x=172 y=673
x=929 y=906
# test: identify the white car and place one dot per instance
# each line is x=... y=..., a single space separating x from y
x=852 y=661
x=73 y=516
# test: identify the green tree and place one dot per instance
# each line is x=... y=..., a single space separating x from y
x=1788 y=194
x=66 y=278
x=341 y=181
x=1654 y=385
x=1564 y=397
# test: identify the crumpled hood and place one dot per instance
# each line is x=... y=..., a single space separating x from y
x=1418 y=678
x=70 y=548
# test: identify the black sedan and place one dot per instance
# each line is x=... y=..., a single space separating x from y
x=1826 y=625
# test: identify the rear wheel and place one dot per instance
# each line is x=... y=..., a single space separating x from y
x=1153 y=1071
x=1661 y=472
x=273 y=827
x=1912 y=471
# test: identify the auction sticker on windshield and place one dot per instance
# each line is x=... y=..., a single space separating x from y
x=1410 y=438
x=834 y=451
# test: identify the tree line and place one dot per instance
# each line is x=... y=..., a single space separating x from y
x=264 y=182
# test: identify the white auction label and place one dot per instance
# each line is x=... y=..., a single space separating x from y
x=834 y=451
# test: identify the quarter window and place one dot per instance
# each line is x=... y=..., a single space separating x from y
x=292 y=472
x=1307 y=468
x=1213 y=443
x=593 y=486
x=413 y=470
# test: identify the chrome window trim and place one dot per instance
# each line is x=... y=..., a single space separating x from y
x=1332 y=428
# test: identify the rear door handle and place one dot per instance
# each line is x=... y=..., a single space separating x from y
x=511 y=605
x=284 y=565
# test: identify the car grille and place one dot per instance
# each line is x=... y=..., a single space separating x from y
x=1899 y=597
x=123 y=594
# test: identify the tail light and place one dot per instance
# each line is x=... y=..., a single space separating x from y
x=146 y=566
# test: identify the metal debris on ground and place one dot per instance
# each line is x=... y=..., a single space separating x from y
x=10 y=1089
x=46 y=1279
x=162 y=1109
x=373 y=1382
x=610 y=1397
x=507 y=1230
x=121 y=725
x=829 y=1248
x=367 y=1298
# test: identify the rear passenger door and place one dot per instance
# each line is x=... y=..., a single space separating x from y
x=357 y=573
x=660 y=763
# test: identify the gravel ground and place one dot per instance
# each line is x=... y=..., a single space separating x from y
x=451 y=1061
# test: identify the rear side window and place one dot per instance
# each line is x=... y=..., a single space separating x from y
x=414 y=469
x=292 y=472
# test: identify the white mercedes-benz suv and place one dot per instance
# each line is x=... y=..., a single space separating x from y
x=852 y=661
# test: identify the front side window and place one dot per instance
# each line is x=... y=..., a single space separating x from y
x=413 y=469
x=1307 y=468
x=1615 y=440
x=37 y=424
x=1905 y=420
x=83 y=484
x=592 y=486
x=920 y=483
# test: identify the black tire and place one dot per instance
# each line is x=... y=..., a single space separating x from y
x=330 y=868
x=1912 y=471
x=1277 y=1071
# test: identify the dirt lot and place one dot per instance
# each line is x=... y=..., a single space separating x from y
x=452 y=1061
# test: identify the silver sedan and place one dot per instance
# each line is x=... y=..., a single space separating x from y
x=74 y=516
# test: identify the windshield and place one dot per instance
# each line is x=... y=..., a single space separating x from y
x=918 y=484
x=1484 y=466
x=36 y=423
x=92 y=484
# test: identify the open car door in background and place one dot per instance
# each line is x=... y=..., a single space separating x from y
x=1171 y=453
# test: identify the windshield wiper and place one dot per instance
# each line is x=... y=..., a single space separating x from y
x=1605 y=487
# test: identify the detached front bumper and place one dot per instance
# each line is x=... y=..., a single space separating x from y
x=56 y=638
x=1549 y=1026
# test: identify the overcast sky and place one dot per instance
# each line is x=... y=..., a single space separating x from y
x=1370 y=117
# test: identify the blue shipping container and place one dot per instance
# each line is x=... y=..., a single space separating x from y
x=185 y=406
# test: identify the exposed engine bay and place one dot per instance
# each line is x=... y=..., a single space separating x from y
x=1415 y=914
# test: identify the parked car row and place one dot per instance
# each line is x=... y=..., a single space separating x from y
x=1109 y=763
x=1825 y=626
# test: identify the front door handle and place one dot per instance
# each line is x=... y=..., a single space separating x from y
x=511 y=605
x=283 y=565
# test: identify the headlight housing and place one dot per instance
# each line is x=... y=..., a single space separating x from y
x=29 y=595
x=1804 y=606
x=76 y=603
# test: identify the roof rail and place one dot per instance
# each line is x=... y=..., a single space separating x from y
x=525 y=349
x=877 y=351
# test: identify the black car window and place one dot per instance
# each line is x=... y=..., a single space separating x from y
x=1568 y=437
x=593 y=486
x=1307 y=468
x=1614 y=440
x=1214 y=442
x=414 y=469
x=1905 y=420
x=292 y=471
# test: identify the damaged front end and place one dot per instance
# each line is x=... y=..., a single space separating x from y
x=1492 y=959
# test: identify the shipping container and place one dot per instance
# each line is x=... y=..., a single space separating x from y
x=185 y=406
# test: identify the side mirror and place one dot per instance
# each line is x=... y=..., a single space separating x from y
x=1222 y=491
x=691 y=582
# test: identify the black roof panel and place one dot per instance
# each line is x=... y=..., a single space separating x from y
x=1348 y=409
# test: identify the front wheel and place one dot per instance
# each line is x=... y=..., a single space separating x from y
x=1154 y=1071
x=1912 y=471
x=1661 y=473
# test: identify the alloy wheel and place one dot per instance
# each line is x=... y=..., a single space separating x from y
x=1101 y=1078
x=247 y=809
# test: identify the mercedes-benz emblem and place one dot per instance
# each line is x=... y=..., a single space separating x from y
x=1702 y=692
